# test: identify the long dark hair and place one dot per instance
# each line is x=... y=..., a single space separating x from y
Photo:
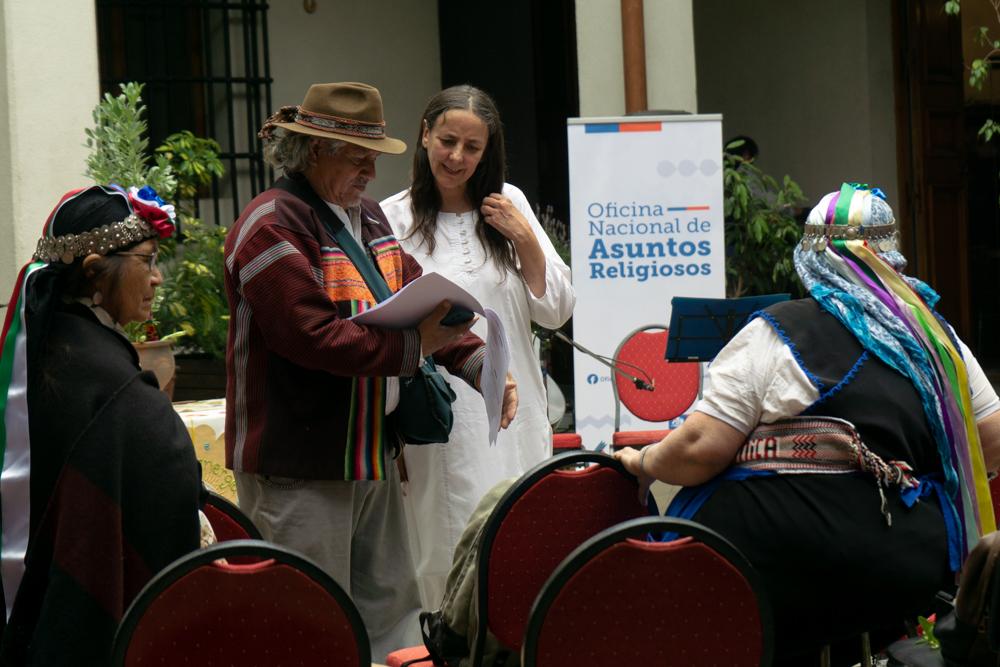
x=425 y=200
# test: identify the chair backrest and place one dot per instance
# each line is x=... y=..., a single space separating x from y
x=228 y=521
x=564 y=442
x=620 y=599
x=546 y=514
x=282 y=609
x=675 y=384
x=995 y=495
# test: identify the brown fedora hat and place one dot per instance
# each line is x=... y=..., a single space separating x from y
x=350 y=112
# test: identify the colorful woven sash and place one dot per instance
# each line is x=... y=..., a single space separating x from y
x=821 y=445
x=824 y=445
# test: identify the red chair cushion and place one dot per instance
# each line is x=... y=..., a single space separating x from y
x=642 y=603
x=564 y=441
x=533 y=539
x=226 y=528
x=259 y=614
x=637 y=438
x=397 y=658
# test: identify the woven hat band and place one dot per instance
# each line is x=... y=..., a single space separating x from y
x=318 y=121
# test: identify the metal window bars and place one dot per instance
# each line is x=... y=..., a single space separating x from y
x=206 y=68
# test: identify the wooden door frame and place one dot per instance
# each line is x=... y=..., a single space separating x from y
x=933 y=253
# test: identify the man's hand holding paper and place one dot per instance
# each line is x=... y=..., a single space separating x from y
x=422 y=304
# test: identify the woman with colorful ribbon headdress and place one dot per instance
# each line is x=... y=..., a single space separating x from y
x=843 y=439
x=100 y=487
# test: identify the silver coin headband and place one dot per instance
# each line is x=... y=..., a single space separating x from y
x=882 y=238
x=100 y=240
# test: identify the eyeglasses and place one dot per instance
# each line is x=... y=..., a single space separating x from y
x=150 y=257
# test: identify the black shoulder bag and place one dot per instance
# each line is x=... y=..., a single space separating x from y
x=424 y=414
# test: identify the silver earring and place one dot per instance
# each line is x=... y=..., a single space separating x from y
x=97 y=298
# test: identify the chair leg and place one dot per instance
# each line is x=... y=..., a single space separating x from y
x=824 y=656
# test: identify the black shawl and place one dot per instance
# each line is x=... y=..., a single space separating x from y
x=114 y=492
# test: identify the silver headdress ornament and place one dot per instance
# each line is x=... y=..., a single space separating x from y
x=882 y=238
x=149 y=217
x=862 y=215
x=100 y=240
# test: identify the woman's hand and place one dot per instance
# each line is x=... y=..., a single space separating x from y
x=693 y=453
x=501 y=214
x=509 y=407
x=633 y=460
x=434 y=335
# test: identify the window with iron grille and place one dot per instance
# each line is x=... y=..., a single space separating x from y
x=205 y=67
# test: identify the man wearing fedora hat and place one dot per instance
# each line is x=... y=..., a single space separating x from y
x=308 y=389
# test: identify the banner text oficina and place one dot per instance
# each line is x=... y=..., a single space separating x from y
x=639 y=260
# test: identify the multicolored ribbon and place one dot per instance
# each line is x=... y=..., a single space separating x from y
x=949 y=407
x=15 y=449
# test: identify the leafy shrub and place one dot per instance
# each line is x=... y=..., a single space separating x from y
x=761 y=230
x=191 y=301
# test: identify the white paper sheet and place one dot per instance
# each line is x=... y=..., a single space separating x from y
x=410 y=305
x=494 y=371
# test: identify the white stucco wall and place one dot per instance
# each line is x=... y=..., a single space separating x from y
x=50 y=84
x=670 y=56
x=812 y=83
x=390 y=44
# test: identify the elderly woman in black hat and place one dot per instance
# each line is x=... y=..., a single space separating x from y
x=309 y=389
x=100 y=486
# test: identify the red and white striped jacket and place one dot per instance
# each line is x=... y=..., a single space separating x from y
x=305 y=390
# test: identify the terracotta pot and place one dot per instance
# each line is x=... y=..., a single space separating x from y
x=158 y=356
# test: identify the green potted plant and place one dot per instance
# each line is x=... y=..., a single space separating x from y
x=190 y=302
x=761 y=229
x=193 y=300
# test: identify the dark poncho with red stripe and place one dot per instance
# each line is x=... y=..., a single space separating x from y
x=114 y=493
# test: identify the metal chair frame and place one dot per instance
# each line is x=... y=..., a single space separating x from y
x=256 y=549
x=225 y=506
x=638 y=529
x=493 y=524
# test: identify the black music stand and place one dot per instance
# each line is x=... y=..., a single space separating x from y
x=699 y=328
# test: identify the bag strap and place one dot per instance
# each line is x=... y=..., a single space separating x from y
x=335 y=227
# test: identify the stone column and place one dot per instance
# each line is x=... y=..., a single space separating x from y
x=50 y=84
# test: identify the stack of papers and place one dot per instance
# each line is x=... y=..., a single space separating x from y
x=410 y=305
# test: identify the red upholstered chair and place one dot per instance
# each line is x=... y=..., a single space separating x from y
x=281 y=610
x=566 y=442
x=228 y=521
x=619 y=599
x=675 y=385
x=546 y=514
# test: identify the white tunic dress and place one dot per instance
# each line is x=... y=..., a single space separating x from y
x=447 y=481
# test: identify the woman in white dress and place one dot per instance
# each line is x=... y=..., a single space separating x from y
x=460 y=219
